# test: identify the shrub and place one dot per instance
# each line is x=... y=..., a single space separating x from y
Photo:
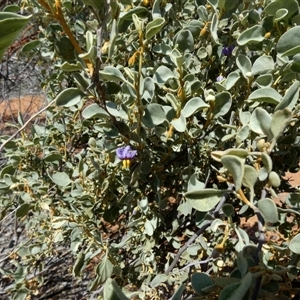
x=170 y=121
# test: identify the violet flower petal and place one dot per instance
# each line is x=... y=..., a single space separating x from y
x=126 y=153
x=227 y=50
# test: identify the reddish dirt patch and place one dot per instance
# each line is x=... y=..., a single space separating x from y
x=293 y=178
x=27 y=105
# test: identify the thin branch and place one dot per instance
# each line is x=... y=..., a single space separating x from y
x=201 y=262
x=186 y=245
x=199 y=231
x=25 y=125
x=261 y=240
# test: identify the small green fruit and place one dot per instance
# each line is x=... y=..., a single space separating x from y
x=261 y=144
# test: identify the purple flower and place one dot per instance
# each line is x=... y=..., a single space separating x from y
x=126 y=153
x=227 y=50
x=220 y=78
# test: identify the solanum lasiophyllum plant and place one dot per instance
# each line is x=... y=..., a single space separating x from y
x=172 y=121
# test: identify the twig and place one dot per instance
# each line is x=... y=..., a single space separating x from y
x=199 y=231
x=186 y=245
x=25 y=125
x=261 y=240
x=201 y=262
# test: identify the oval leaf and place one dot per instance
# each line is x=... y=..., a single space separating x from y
x=154 y=115
x=250 y=176
x=94 y=111
x=235 y=166
x=200 y=281
x=222 y=104
x=154 y=27
x=162 y=74
x=244 y=64
x=69 y=97
x=193 y=105
x=289 y=42
x=263 y=65
x=253 y=34
x=268 y=210
x=294 y=244
x=237 y=290
x=15 y=24
x=185 y=41
x=204 y=200
x=267 y=95
x=290 y=98
x=112 y=74
x=180 y=123
x=260 y=122
x=279 y=122
x=61 y=179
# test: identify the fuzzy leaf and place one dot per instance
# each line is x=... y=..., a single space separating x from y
x=204 y=200
x=235 y=166
x=268 y=210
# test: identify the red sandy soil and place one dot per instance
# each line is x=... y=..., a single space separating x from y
x=27 y=105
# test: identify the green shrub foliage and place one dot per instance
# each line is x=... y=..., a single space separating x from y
x=169 y=122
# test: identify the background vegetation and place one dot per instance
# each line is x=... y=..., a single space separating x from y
x=167 y=122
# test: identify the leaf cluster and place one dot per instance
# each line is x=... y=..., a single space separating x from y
x=207 y=92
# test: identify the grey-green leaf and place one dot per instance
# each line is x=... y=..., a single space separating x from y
x=154 y=27
x=289 y=42
x=260 y=122
x=200 y=281
x=179 y=123
x=222 y=105
x=184 y=41
x=94 y=111
x=273 y=7
x=267 y=94
x=237 y=290
x=162 y=75
x=268 y=210
x=263 y=64
x=290 y=98
x=112 y=74
x=78 y=265
x=280 y=120
x=154 y=115
x=112 y=291
x=192 y=106
x=254 y=34
x=11 y=25
x=69 y=97
x=231 y=80
x=244 y=64
x=274 y=179
x=104 y=269
x=61 y=179
x=267 y=161
x=204 y=200
x=294 y=244
x=250 y=176
x=235 y=165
